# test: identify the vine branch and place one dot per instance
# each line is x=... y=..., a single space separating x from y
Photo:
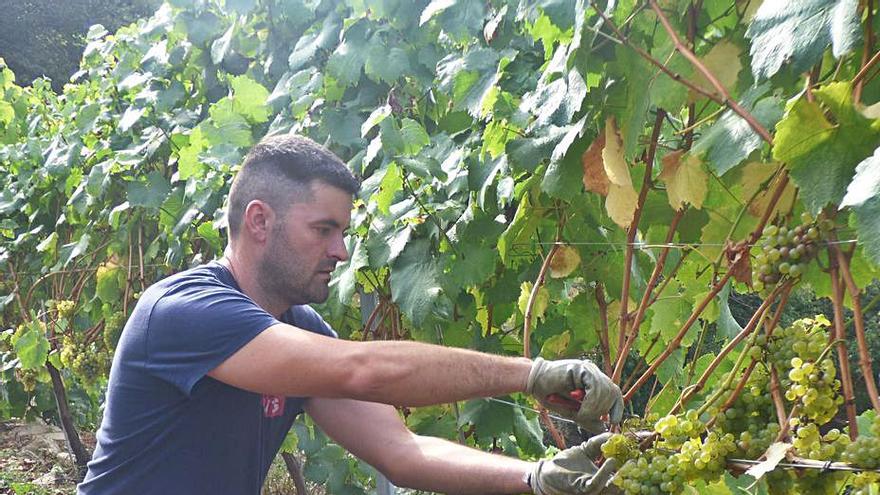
x=726 y=99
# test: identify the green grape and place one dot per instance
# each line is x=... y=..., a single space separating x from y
x=620 y=447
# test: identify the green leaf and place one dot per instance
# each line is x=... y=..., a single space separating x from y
x=822 y=154
x=347 y=61
x=556 y=347
x=413 y=137
x=668 y=316
x=728 y=327
x=386 y=64
x=131 y=117
x=227 y=125
x=307 y=46
x=150 y=193
x=249 y=98
x=491 y=419
x=731 y=139
x=863 y=196
x=220 y=46
x=345 y=277
x=414 y=284
x=528 y=432
x=799 y=32
x=207 y=232
x=107 y=283
x=434 y=8
x=31 y=346
x=392 y=183
x=527 y=153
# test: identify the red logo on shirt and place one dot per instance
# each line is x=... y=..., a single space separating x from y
x=273 y=406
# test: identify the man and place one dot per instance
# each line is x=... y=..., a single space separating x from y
x=215 y=363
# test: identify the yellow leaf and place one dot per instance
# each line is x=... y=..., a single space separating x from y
x=621 y=204
x=595 y=178
x=723 y=62
x=686 y=181
x=612 y=156
x=542 y=299
x=564 y=261
x=754 y=175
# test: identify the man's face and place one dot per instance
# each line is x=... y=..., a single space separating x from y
x=306 y=244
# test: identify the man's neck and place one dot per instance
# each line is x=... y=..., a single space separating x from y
x=247 y=280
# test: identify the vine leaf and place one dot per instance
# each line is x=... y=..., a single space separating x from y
x=31 y=345
x=414 y=281
x=723 y=62
x=800 y=31
x=775 y=453
x=863 y=196
x=686 y=181
x=542 y=300
x=822 y=154
x=621 y=204
x=595 y=178
x=220 y=46
x=731 y=139
x=564 y=262
x=612 y=156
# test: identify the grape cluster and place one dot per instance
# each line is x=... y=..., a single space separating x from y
x=620 y=447
x=815 y=388
x=28 y=378
x=113 y=329
x=865 y=451
x=65 y=308
x=655 y=472
x=88 y=361
x=865 y=483
x=675 y=430
x=787 y=251
x=804 y=339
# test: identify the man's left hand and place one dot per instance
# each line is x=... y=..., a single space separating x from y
x=573 y=472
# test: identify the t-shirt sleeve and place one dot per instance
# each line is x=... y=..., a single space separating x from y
x=195 y=328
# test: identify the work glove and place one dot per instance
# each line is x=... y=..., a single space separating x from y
x=572 y=471
x=556 y=383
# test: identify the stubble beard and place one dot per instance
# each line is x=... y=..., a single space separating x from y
x=283 y=277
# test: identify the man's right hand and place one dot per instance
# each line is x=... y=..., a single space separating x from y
x=550 y=381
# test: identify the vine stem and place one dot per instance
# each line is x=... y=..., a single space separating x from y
x=857 y=80
x=778 y=403
x=603 y=331
x=527 y=330
x=676 y=342
x=631 y=237
x=868 y=47
x=859 y=323
x=295 y=470
x=529 y=316
x=726 y=99
x=653 y=61
x=750 y=327
x=643 y=305
x=839 y=334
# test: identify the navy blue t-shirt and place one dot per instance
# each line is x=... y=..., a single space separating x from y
x=169 y=428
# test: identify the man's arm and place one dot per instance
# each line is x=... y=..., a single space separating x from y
x=285 y=360
x=375 y=433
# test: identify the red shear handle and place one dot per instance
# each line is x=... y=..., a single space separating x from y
x=573 y=401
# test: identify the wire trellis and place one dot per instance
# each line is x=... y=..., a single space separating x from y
x=805 y=464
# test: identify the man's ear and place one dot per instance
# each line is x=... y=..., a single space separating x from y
x=258 y=220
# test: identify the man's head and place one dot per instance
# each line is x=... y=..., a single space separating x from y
x=289 y=205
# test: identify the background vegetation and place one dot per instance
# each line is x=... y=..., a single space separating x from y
x=540 y=177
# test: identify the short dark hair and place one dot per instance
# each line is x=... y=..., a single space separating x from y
x=280 y=170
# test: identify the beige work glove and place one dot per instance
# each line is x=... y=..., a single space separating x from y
x=553 y=382
x=572 y=471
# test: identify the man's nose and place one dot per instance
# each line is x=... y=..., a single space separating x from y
x=337 y=249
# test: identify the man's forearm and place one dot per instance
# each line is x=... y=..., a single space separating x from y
x=438 y=465
x=415 y=374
